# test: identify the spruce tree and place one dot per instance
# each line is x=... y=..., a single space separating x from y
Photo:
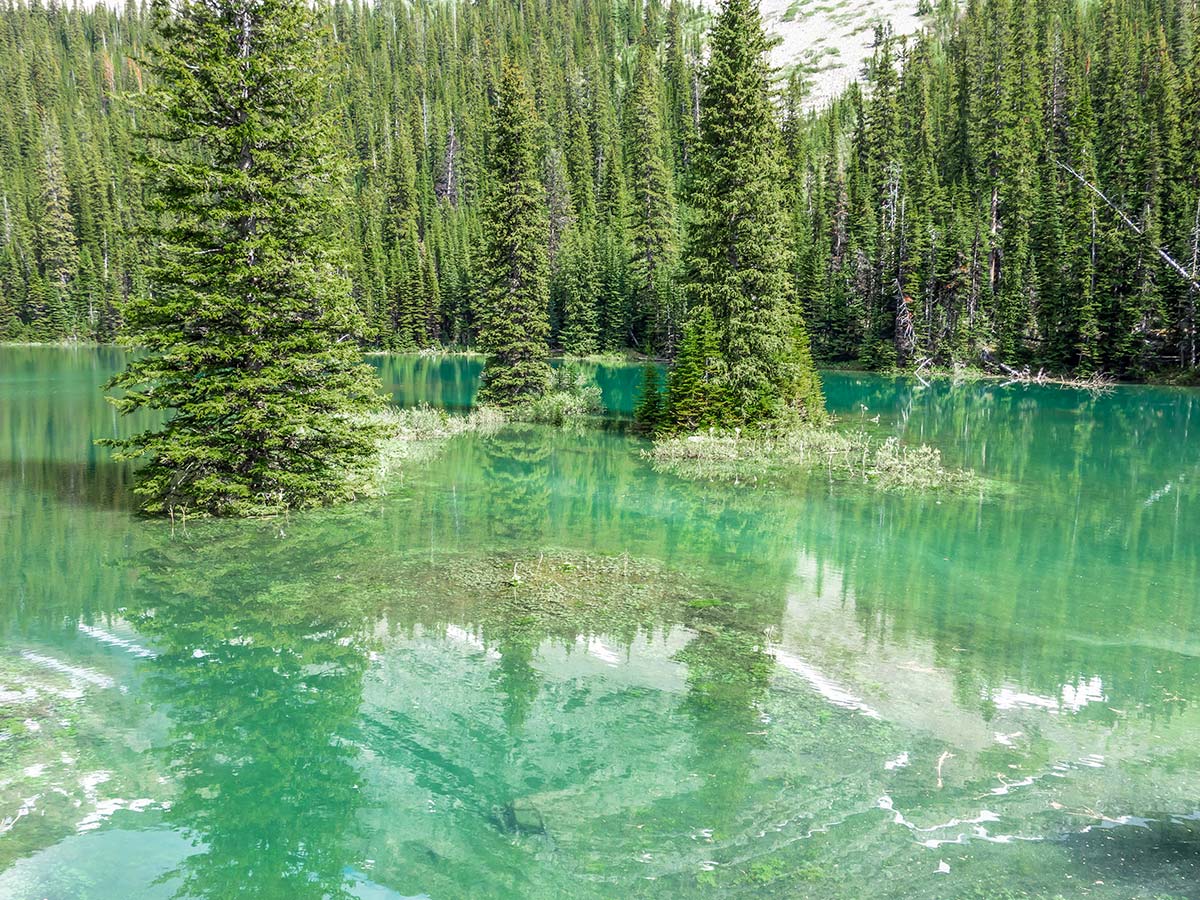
x=652 y=216
x=11 y=287
x=738 y=259
x=650 y=412
x=576 y=287
x=516 y=324
x=696 y=392
x=405 y=322
x=679 y=88
x=249 y=333
x=56 y=231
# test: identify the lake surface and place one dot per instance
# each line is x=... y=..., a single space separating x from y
x=538 y=669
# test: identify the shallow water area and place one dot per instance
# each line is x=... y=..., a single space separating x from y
x=538 y=668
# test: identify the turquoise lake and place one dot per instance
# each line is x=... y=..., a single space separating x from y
x=538 y=668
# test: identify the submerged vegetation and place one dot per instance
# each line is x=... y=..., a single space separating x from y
x=416 y=434
x=563 y=593
x=50 y=735
x=782 y=455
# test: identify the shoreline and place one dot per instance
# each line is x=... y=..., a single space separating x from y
x=954 y=373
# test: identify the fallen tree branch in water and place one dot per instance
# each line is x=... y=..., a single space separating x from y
x=946 y=754
x=1097 y=382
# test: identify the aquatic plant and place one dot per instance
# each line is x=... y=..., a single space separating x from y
x=604 y=358
x=572 y=398
x=801 y=448
x=418 y=433
x=558 y=593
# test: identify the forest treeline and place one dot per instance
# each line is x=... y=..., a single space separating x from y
x=414 y=103
x=971 y=202
x=933 y=208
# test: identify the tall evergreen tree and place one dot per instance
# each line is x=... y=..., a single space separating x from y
x=738 y=258
x=405 y=326
x=648 y=415
x=576 y=286
x=11 y=283
x=516 y=324
x=652 y=216
x=248 y=327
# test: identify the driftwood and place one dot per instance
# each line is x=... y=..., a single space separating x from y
x=1097 y=383
x=991 y=368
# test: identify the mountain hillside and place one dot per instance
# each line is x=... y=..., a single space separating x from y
x=831 y=40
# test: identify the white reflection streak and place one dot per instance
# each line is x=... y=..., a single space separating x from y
x=462 y=636
x=105 y=808
x=976 y=833
x=597 y=648
x=898 y=763
x=113 y=640
x=1059 y=770
x=79 y=673
x=28 y=805
x=1074 y=697
x=826 y=687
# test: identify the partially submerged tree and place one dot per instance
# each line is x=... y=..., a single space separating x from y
x=516 y=325
x=738 y=257
x=249 y=328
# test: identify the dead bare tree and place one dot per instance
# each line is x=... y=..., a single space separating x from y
x=1190 y=340
x=1190 y=277
x=1188 y=348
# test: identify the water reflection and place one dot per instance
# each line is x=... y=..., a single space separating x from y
x=539 y=668
x=259 y=666
x=451 y=382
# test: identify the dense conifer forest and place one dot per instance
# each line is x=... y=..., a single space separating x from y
x=1004 y=188
x=1017 y=185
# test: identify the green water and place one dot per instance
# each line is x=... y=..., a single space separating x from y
x=687 y=690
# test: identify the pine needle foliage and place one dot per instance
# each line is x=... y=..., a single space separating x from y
x=928 y=215
x=249 y=334
x=696 y=393
x=739 y=262
x=516 y=325
x=652 y=214
x=650 y=413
